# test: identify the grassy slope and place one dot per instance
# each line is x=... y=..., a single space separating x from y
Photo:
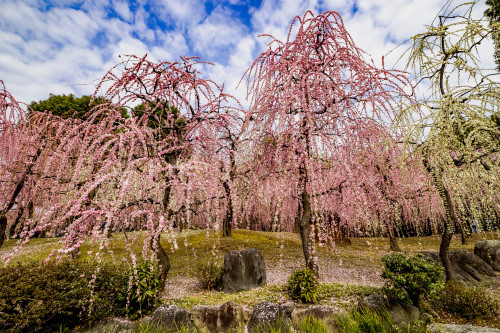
x=282 y=252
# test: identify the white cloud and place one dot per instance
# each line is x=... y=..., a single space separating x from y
x=54 y=50
x=217 y=33
x=186 y=12
x=123 y=10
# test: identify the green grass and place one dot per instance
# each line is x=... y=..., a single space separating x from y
x=199 y=246
x=366 y=321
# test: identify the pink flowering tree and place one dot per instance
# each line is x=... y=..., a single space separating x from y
x=316 y=93
x=31 y=146
x=133 y=172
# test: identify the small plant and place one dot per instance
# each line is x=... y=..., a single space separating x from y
x=303 y=285
x=312 y=325
x=408 y=278
x=276 y=326
x=468 y=301
x=141 y=291
x=209 y=274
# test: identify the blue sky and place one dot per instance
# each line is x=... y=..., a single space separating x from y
x=66 y=46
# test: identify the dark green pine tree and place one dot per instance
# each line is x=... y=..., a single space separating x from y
x=67 y=106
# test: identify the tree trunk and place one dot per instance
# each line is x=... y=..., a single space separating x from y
x=451 y=220
x=163 y=262
x=340 y=236
x=228 y=219
x=393 y=243
x=3 y=227
x=444 y=253
x=305 y=231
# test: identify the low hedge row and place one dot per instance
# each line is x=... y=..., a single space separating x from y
x=38 y=298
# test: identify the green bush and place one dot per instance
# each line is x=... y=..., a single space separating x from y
x=41 y=298
x=209 y=274
x=408 y=278
x=468 y=301
x=302 y=285
x=141 y=291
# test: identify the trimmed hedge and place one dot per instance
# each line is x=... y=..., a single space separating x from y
x=58 y=295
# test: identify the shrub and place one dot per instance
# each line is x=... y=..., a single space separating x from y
x=468 y=301
x=141 y=292
x=408 y=278
x=40 y=298
x=209 y=274
x=302 y=285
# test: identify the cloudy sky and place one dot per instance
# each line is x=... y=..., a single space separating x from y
x=66 y=46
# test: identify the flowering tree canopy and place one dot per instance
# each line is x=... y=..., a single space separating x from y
x=129 y=172
x=317 y=95
x=456 y=136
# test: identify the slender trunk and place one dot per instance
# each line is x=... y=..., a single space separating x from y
x=3 y=227
x=163 y=261
x=444 y=253
x=393 y=243
x=451 y=220
x=340 y=236
x=464 y=236
x=228 y=219
x=305 y=231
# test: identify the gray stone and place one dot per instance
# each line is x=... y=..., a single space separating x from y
x=267 y=315
x=467 y=267
x=243 y=270
x=426 y=318
x=489 y=251
x=452 y=328
x=225 y=318
x=399 y=314
x=325 y=313
x=171 y=317
x=114 y=325
x=318 y=311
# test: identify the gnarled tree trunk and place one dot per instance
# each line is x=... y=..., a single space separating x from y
x=450 y=221
x=163 y=262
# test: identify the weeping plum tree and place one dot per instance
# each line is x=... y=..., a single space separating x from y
x=458 y=140
x=28 y=148
x=394 y=188
x=12 y=181
x=316 y=93
x=137 y=163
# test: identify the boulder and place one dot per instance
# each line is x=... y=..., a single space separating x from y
x=467 y=267
x=489 y=251
x=171 y=317
x=323 y=312
x=267 y=316
x=453 y=328
x=399 y=314
x=114 y=325
x=243 y=270
x=225 y=318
